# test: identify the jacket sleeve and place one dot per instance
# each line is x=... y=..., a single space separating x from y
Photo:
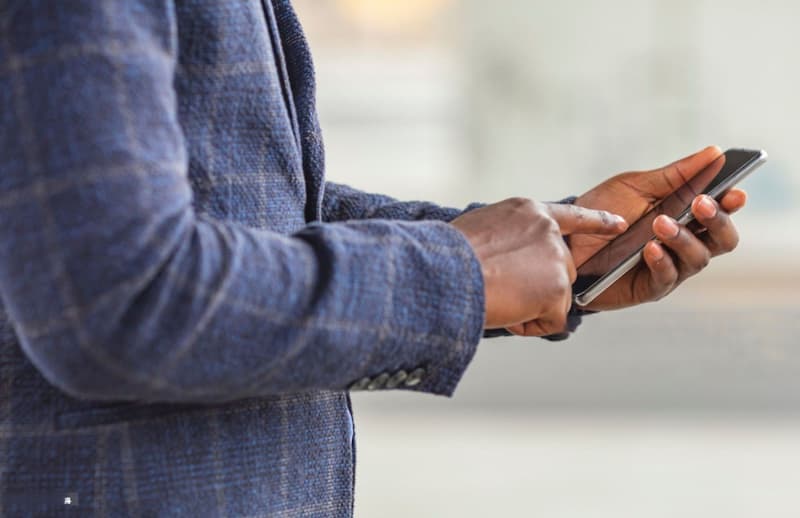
x=118 y=289
x=341 y=203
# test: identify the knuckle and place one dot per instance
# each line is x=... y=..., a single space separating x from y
x=665 y=286
x=573 y=276
x=732 y=243
x=672 y=276
x=556 y=323
x=555 y=228
x=551 y=226
x=561 y=254
x=666 y=290
x=705 y=258
x=521 y=202
x=561 y=284
x=665 y=280
x=700 y=261
x=557 y=289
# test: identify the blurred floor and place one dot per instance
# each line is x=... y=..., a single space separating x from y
x=689 y=407
x=486 y=464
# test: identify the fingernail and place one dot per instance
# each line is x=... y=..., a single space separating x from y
x=656 y=252
x=668 y=226
x=621 y=223
x=706 y=207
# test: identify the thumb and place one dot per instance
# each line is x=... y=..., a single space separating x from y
x=664 y=181
x=573 y=219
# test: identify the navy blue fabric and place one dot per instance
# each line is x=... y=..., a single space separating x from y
x=184 y=300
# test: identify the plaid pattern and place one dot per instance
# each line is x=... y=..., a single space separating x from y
x=178 y=327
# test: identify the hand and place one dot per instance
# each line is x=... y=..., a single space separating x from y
x=527 y=268
x=682 y=253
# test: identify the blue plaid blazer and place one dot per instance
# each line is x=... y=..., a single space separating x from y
x=179 y=327
x=184 y=300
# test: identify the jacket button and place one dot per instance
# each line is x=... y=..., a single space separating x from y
x=415 y=377
x=360 y=384
x=379 y=382
x=396 y=379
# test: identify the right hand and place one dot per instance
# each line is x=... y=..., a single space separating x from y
x=527 y=267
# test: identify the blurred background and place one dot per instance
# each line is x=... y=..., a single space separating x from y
x=689 y=407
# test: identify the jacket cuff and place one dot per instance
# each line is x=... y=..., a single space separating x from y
x=443 y=375
x=574 y=319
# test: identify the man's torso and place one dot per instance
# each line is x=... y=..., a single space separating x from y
x=254 y=158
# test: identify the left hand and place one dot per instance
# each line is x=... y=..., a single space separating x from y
x=681 y=253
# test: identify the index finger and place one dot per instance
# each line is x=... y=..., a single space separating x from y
x=574 y=219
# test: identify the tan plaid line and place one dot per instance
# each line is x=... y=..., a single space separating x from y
x=217 y=464
x=396 y=240
x=222 y=70
x=80 y=176
x=128 y=467
x=99 y=479
x=254 y=180
x=35 y=330
x=216 y=298
x=329 y=508
x=17 y=63
x=237 y=408
x=383 y=333
x=283 y=467
x=8 y=374
x=252 y=383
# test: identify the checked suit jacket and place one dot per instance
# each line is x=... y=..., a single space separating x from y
x=184 y=300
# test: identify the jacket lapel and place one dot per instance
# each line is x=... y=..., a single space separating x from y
x=297 y=70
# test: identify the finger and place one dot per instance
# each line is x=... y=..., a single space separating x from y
x=530 y=328
x=517 y=330
x=721 y=235
x=663 y=272
x=573 y=219
x=667 y=179
x=733 y=200
x=692 y=254
x=542 y=327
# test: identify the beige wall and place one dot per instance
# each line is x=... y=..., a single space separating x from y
x=454 y=101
